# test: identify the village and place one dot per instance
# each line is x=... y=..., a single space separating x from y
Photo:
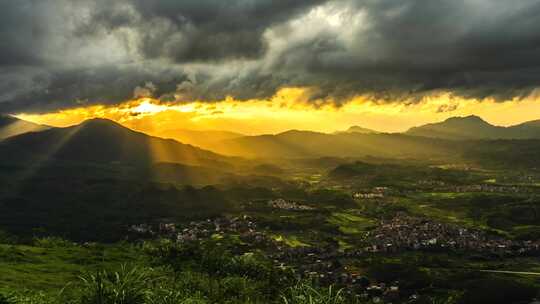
x=288 y=205
x=325 y=263
x=485 y=188
x=404 y=232
x=308 y=262
x=442 y=187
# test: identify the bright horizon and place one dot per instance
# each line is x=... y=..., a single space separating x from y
x=289 y=109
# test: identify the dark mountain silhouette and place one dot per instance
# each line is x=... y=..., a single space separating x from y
x=91 y=181
x=474 y=127
x=104 y=141
x=12 y=126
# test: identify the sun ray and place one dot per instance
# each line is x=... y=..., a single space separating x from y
x=40 y=161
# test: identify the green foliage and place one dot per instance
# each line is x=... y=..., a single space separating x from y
x=99 y=209
x=129 y=285
x=52 y=242
x=215 y=259
x=4 y=299
x=28 y=297
x=305 y=293
x=326 y=197
x=397 y=175
x=6 y=238
x=164 y=295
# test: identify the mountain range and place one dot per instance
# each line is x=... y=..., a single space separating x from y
x=359 y=141
x=474 y=127
x=308 y=144
x=100 y=141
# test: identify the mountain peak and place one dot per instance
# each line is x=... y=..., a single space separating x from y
x=100 y=122
x=105 y=141
x=474 y=127
x=294 y=132
x=102 y=125
x=470 y=118
x=359 y=129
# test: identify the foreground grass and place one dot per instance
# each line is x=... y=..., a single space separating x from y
x=212 y=271
x=159 y=273
x=51 y=267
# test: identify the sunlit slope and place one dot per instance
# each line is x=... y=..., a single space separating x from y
x=11 y=126
x=508 y=153
x=299 y=144
x=205 y=139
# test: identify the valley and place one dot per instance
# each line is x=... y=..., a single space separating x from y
x=390 y=229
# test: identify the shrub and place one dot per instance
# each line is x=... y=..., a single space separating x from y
x=4 y=299
x=164 y=295
x=6 y=238
x=52 y=242
x=127 y=286
x=304 y=293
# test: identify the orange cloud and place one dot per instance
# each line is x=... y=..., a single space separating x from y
x=291 y=108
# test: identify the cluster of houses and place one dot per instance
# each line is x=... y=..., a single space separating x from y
x=431 y=183
x=308 y=262
x=490 y=188
x=375 y=192
x=325 y=263
x=368 y=195
x=404 y=232
x=287 y=205
x=486 y=188
x=243 y=226
x=162 y=229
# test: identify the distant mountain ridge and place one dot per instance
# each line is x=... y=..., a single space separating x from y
x=359 y=129
x=200 y=138
x=309 y=144
x=474 y=127
x=104 y=142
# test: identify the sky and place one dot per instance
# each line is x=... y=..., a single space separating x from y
x=262 y=66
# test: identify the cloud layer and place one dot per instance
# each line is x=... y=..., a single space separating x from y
x=60 y=53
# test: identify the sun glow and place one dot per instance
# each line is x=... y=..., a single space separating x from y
x=146 y=106
x=291 y=108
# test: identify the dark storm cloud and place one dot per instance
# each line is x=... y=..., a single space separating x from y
x=477 y=48
x=61 y=53
x=195 y=30
x=19 y=33
x=101 y=84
